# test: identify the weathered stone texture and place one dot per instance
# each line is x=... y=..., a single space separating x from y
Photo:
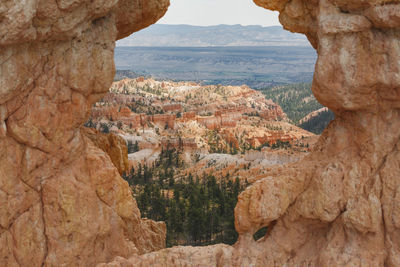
x=63 y=203
x=114 y=146
x=339 y=206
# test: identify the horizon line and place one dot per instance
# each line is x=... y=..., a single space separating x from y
x=238 y=24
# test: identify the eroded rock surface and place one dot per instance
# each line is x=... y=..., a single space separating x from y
x=340 y=205
x=63 y=203
x=114 y=146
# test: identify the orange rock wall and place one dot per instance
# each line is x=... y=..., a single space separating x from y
x=63 y=202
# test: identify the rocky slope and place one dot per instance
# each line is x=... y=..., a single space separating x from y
x=63 y=203
x=338 y=206
x=317 y=121
x=297 y=100
x=300 y=105
x=313 y=114
x=228 y=121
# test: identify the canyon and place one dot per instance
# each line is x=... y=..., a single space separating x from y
x=217 y=129
x=65 y=204
x=337 y=206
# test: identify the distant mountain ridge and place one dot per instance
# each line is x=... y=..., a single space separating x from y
x=219 y=35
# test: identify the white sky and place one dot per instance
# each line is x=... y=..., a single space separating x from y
x=215 y=12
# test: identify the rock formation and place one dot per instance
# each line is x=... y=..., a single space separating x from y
x=113 y=145
x=340 y=205
x=63 y=203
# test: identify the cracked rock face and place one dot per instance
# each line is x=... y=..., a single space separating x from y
x=340 y=206
x=63 y=203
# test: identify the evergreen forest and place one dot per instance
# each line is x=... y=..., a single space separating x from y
x=297 y=101
x=198 y=210
x=318 y=123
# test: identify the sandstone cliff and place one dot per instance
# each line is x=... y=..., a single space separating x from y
x=340 y=205
x=63 y=203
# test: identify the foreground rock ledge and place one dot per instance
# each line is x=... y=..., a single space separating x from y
x=63 y=203
x=340 y=206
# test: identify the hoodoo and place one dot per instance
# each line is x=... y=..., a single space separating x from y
x=65 y=204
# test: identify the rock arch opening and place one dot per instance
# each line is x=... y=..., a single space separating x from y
x=191 y=120
x=340 y=197
x=64 y=203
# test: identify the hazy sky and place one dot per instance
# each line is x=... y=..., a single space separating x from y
x=214 y=12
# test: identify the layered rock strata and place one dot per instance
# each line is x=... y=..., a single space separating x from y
x=340 y=205
x=63 y=203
